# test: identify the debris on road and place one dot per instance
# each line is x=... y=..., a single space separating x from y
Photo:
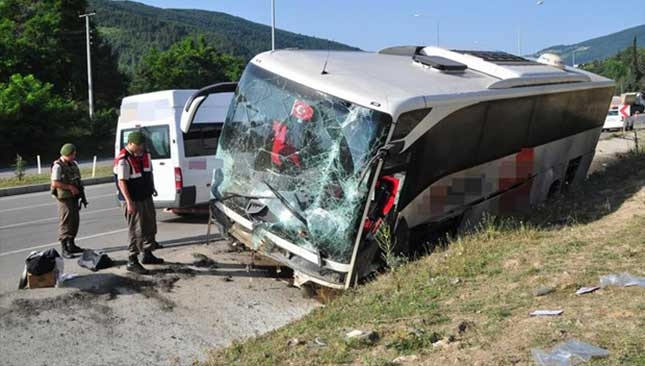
x=572 y=352
x=541 y=291
x=587 y=290
x=295 y=342
x=319 y=342
x=622 y=280
x=42 y=269
x=95 y=260
x=405 y=359
x=546 y=312
x=367 y=337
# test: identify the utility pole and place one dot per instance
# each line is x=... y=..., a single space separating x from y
x=272 y=25
x=90 y=94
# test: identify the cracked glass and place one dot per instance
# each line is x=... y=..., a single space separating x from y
x=294 y=162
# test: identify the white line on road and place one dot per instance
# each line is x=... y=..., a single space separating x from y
x=93 y=187
x=52 y=204
x=58 y=243
x=53 y=218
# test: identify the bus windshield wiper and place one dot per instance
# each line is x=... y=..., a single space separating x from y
x=287 y=204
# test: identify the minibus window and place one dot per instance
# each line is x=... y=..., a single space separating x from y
x=157 y=140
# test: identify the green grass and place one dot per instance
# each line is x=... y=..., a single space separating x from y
x=103 y=171
x=498 y=268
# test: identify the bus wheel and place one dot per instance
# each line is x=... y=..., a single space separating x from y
x=308 y=291
x=553 y=190
x=401 y=238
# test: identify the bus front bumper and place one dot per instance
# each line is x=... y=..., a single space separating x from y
x=308 y=266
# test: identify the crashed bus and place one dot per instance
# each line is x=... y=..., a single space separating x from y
x=319 y=149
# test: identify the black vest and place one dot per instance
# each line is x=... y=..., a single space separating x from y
x=140 y=188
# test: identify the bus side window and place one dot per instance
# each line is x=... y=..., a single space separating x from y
x=506 y=128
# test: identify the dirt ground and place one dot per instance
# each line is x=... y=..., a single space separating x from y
x=204 y=297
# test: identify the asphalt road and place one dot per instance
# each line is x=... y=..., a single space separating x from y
x=29 y=222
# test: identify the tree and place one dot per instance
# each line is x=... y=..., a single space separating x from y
x=47 y=39
x=187 y=64
x=31 y=115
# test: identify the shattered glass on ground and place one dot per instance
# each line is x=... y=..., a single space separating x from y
x=293 y=159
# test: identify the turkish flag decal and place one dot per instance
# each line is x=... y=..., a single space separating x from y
x=302 y=111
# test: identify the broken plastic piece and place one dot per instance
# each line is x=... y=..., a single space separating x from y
x=622 y=280
x=571 y=352
x=546 y=312
x=586 y=290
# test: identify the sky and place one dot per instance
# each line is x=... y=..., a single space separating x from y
x=466 y=24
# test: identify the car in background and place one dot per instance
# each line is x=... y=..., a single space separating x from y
x=613 y=121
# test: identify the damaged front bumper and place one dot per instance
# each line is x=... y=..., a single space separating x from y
x=308 y=266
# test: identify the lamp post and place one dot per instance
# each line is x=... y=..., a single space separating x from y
x=90 y=94
x=573 y=54
x=272 y=25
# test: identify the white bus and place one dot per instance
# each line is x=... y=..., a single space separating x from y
x=182 y=162
x=321 y=148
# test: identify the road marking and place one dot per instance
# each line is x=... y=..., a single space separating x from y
x=53 y=204
x=53 y=218
x=93 y=187
x=58 y=243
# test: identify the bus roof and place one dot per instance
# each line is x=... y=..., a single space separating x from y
x=393 y=82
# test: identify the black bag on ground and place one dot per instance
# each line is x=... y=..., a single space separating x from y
x=40 y=263
x=95 y=260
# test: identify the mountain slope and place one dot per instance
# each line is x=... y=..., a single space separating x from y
x=599 y=48
x=133 y=28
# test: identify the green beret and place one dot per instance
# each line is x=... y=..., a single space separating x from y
x=136 y=137
x=67 y=149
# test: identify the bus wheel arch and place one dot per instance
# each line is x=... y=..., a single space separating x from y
x=554 y=189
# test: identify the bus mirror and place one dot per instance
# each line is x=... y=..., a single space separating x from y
x=196 y=100
x=189 y=112
x=396 y=146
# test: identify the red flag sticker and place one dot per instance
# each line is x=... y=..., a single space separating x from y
x=302 y=111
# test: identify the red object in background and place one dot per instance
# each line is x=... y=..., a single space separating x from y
x=302 y=111
x=179 y=179
x=386 y=189
x=393 y=190
x=280 y=147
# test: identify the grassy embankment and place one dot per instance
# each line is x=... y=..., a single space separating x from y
x=102 y=171
x=475 y=295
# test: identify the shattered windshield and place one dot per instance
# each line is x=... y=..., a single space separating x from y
x=293 y=158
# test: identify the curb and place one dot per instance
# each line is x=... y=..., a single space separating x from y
x=13 y=191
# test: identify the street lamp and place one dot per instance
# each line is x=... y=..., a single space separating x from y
x=431 y=17
x=573 y=54
x=90 y=95
x=272 y=25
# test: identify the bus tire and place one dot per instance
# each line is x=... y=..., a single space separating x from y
x=401 y=238
x=554 y=190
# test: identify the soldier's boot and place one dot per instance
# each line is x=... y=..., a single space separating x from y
x=155 y=245
x=134 y=265
x=65 y=252
x=73 y=248
x=149 y=258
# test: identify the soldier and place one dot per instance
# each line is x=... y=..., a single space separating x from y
x=67 y=189
x=133 y=169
